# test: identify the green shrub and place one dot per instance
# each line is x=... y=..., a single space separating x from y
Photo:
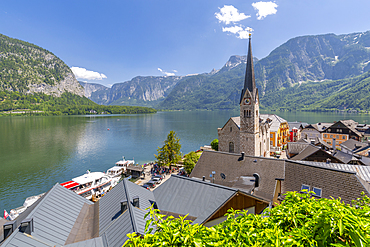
x=214 y=144
x=301 y=220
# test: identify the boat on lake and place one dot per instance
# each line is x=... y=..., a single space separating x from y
x=125 y=163
x=91 y=184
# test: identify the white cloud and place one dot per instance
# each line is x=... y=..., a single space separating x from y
x=167 y=73
x=82 y=73
x=264 y=9
x=241 y=33
x=229 y=13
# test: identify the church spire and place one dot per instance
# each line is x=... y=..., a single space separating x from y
x=249 y=81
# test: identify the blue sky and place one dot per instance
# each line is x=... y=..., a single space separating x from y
x=113 y=41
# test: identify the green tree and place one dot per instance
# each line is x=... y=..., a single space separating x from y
x=190 y=160
x=170 y=152
x=214 y=144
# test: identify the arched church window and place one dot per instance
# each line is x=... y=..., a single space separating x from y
x=231 y=147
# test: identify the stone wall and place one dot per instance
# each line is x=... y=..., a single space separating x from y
x=225 y=136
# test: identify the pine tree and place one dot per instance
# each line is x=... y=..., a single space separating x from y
x=170 y=152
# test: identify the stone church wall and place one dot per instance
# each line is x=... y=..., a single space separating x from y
x=225 y=136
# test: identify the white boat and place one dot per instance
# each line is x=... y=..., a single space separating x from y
x=14 y=213
x=125 y=163
x=115 y=171
x=91 y=183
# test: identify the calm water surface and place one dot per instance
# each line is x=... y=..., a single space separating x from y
x=37 y=152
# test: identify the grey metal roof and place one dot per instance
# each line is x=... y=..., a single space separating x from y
x=352 y=144
x=182 y=195
x=362 y=171
x=53 y=216
x=296 y=125
x=342 y=156
x=296 y=147
x=275 y=121
x=113 y=225
x=109 y=206
x=309 y=150
x=116 y=233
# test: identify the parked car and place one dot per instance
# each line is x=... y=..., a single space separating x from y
x=146 y=186
x=156 y=180
x=158 y=176
x=151 y=184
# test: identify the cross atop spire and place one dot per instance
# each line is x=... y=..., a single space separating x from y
x=249 y=81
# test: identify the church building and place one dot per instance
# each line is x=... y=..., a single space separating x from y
x=250 y=132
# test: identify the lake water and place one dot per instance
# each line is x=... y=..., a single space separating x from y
x=37 y=152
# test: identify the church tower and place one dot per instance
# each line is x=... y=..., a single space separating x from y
x=249 y=111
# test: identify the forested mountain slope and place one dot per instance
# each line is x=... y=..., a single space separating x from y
x=28 y=68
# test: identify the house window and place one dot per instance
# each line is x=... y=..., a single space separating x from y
x=324 y=135
x=337 y=136
x=231 y=147
x=257 y=112
x=317 y=191
x=343 y=137
x=331 y=136
x=305 y=187
x=231 y=129
x=271 y=143
x=270 y=135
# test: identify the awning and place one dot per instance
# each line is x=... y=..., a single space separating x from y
x=69 y=184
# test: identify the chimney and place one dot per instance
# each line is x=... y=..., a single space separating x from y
x=334 y=148
x=135 y=201
x=9 y=228
x=123 y=206
x=27 y=226
x=204 y=178
x=256 y=180
x=242 y=158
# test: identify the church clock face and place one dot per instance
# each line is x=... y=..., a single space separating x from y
x=247 y=101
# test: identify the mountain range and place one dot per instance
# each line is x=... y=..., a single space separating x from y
x=283 y=77
x=317 y=72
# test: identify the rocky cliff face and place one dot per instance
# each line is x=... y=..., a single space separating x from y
x=140 y=90
x=67 y=84
x=90 y=88
x=27 y=68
